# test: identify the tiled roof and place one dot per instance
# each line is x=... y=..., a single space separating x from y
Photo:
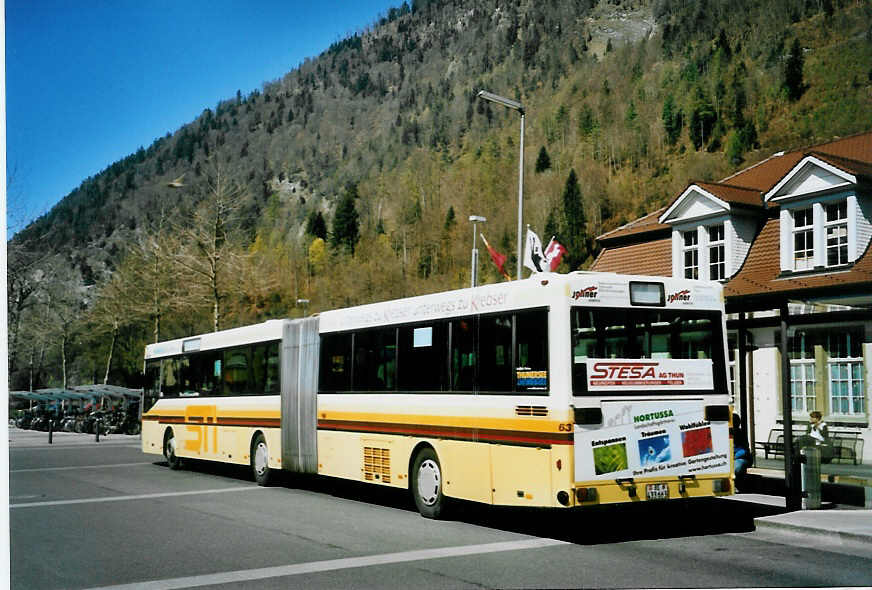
x=733 y=194
x=642 y=225
x=646 y=258
x=761 y=273
x=746 y=187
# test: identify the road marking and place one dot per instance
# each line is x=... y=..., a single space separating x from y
x=335 y=564
x=74 y=467
x=137 y=497
x=62 y=446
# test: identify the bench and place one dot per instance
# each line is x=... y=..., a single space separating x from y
x=846 y=446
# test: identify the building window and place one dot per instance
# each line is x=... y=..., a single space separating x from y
x=846 y=372
x=803 y=239
x=837 y=233
x=802 y=379
x=691 y=254
x=717 y=262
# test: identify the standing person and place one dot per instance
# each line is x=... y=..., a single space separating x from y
x=817 y=429
x=818 y=435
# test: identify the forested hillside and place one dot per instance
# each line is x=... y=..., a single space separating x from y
x=350 y=179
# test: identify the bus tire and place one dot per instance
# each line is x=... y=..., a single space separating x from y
x=427 y=484
x=260 y=468
x=173 y=460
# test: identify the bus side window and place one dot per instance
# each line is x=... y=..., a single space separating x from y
x=151 y=391
x=236 y=369
x=264 y=368
x=335 y=366
x=531 y=356
x=423 y=352
x=495 y=353
x=463 y=355
x=375 y=360
x=171 y=376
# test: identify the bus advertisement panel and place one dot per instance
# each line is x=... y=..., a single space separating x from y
x=651 y=439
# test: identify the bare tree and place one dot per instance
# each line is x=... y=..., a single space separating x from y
x=210 y=245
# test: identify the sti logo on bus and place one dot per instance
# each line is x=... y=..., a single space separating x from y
x=586 y=293
x=683 y=295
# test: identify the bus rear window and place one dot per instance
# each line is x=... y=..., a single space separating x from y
x=619 y=333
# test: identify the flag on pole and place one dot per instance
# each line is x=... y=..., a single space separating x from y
x=534 y=258
x=499 y=259
x=554 y=253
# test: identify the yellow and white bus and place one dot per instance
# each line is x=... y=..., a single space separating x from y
x=554 y=391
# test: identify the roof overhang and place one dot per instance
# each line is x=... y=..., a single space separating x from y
x=686 y=198
x=801 y=174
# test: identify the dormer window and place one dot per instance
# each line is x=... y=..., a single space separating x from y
x=691 y=254
x=837 y=233
x=803 y=239
x=716 y=246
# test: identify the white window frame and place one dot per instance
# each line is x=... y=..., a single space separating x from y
x=807 y=260
x=693 y=251
x=802 y=372
x=853 y=393
x=717 y=250
x=838 y=224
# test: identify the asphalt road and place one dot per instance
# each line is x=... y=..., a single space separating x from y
x=86 y=514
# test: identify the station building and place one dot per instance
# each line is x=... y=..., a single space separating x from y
x=789 y=238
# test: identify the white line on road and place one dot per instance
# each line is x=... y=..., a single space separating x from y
x=335 y=564
x=137 y=497
x=77 y=445
x=74 y=467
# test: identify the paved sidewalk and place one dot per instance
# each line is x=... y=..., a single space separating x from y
x=36 y=438
x=834 y=522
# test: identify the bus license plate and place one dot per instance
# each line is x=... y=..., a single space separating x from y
x=657 y=491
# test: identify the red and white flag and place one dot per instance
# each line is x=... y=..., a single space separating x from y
x=554 y=253
x=499 y=259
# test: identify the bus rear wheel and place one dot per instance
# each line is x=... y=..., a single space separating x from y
x=260 y=468
x=173 y=460
x=427 y=484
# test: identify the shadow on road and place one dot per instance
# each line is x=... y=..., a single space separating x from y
x=584 y=526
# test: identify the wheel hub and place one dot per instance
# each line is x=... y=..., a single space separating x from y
x=260 y=458
x=429 y=482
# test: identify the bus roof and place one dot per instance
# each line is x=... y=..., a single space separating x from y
x=264 y=332
x=542 y=289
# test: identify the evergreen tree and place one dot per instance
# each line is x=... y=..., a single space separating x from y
x=793 y=81
x=346 y=224
x=672 y=120
x=573 y=212
x=316 y=226
x=450 y=218
x=702 y=120
x=543 y=162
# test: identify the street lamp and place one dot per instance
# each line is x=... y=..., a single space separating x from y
x=305 y=304
x=515 y=105
x=474 y=274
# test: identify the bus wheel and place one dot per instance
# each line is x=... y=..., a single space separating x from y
x=427 y=484
x=260 y=461
x=174 y=461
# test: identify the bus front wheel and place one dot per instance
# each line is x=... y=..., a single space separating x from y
x=260 y=461
x=173 y=460
x=427 y=484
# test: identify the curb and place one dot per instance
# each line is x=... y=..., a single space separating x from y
x=765 y=523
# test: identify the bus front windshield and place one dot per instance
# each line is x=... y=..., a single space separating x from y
x=645 y=333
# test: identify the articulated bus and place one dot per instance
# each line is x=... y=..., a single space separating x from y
x=554 y=391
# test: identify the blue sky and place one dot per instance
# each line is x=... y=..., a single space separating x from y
x=89 y=82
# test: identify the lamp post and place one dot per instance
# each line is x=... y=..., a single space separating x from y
x=514 y=105
x=474 y=274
